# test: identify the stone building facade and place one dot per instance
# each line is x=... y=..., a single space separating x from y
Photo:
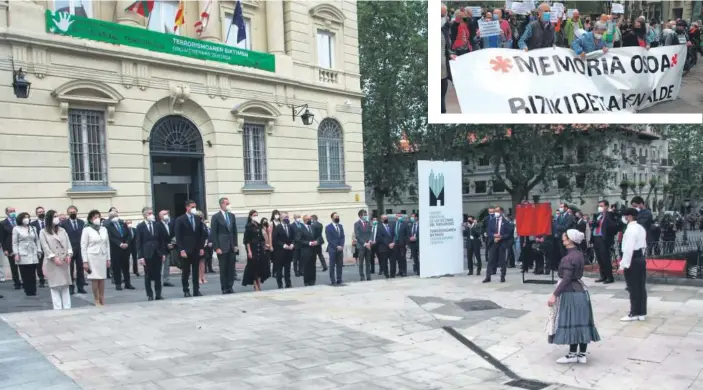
x=129 y=112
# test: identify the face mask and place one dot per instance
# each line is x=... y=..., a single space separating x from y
x=72 y=216
x=546 y=17
x=193 y=211
x=96 y=221
x=129 y=226
x=496 y=214
x=297 y=220
x=166 y=218
x=624 y=220
x=40 y=216
x=115 y=219
x=561 y=210
x=412 y=219
x=637 y=208
x=286 y=221
x=365 y=218
x=150 y=218
x=13 y=215
x=597 y=36
x=256 y=219
x=25 y=221
x=375 y=223
x=385 y=221
x=55 y=221
x=336 y=220
x=276 y=217
x=308 y=222
x=601 y=209
x=495 y=17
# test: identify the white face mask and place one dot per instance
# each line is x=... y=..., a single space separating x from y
x=115 y=219
x=193 y=211
x=561 y=209
x=96 y=221
x=624 y=220
x=129 y=226
x=597 y=36
x=600 y=209
x=256 y=219
x=25 y=221
x=55 y=221
x=150 y=218
x=276 y=217
x=638 y=209
x=167 y=217
x=496 y=214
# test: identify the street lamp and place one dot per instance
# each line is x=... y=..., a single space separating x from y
x=306 y=116
x=19 y=84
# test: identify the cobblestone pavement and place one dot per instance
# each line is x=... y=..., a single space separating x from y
x=690 y=98
x=371 y=335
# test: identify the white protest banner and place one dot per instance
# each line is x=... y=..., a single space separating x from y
x=556 y=81
x=441 y=208
x=476 y=12
x=489 y=29
x=617 y=9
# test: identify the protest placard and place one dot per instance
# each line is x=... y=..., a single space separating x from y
x=521 y=8
x=489 y=29
x=476 y=12
x=617 y=8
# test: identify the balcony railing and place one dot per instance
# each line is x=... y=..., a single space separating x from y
x=327 y=76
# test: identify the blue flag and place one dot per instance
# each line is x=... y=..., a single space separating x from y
x=238 y=20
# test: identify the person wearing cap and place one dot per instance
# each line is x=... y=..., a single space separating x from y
x=571 y=315
x=634 y=243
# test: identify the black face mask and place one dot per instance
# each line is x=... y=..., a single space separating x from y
x=308 y=222
x=336 y=220
x=466 y=20
x=73 y=215
x=385 y=221
x=40 y=216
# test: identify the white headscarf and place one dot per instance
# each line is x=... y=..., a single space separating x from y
x=575 y=236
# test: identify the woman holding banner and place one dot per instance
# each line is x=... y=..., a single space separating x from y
x=571 y=315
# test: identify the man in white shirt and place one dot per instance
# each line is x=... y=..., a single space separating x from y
x=634 y=243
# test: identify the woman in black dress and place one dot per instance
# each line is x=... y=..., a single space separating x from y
x=257 y=269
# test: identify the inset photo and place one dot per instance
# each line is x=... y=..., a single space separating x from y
x=578 y=57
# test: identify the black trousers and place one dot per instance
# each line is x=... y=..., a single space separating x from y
x=399 y=260
x=511 y=254
x=605 y=264
x=29 y=278
x=445 y=87
x=282 y=260
x=374 y=256
x=40 y=270
x=497 y=254
x=226 y=263
x=308 y=265
x=318 y=253
x=636 y=281
x=152 y=273
x=297 y=268
x=383 y=261
x=77 y=269
x=473 y=251
x=190 y=268
x=15 y=271
x=135 y=263
x=415 y=256
x=119 y=262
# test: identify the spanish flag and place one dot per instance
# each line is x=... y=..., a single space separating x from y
x=180 y=19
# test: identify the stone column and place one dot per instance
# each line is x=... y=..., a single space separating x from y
x=125 y=17
x=213 y=31
x=274 y=27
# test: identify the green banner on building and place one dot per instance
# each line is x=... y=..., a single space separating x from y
x=98 y=30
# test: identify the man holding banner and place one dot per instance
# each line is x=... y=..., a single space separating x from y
x=590 y=41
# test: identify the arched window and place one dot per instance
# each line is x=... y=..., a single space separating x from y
x=330 y=149
x=176 y=135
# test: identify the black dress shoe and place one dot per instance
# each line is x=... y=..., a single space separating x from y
x=470 y=273
x=18 y=286
x=159 y=298
x=601 y=280
x=129 y=287
x=289 y=286
x=71 y=290
x=324 y=269
x=608 y=281
x=502 y=279
x=187 y=294
x=230 y=291
x=150 y=299
x=118 y=288
x=168 y=284
x=487 y=280
x=81 y=291
x=42 y=283
x=197 y=294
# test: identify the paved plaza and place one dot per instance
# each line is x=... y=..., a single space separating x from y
x=364 y=335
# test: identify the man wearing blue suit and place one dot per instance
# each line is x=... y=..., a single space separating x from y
x=500 y=234
x=335 y=248
x=382 y=241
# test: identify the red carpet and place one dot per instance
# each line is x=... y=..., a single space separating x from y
x=656 y=267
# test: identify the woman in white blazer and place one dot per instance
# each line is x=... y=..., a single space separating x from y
x=57 y=260
x=95 y=248
x=26 y=247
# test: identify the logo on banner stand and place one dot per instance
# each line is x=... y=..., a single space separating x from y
x=436 y=184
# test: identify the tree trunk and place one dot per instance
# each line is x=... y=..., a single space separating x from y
x=517 y=196
x=378 y=195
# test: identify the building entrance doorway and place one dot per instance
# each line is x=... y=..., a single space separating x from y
x=177 y=172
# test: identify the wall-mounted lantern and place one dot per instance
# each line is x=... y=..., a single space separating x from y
x=306 y=116
x=20 y=84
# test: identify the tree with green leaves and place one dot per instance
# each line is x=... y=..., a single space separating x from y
x=393 y=66
x=686 y=149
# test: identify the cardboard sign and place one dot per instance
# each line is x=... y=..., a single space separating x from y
x=489 y=29
x=618 y=9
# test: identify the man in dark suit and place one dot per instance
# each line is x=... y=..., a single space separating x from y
x=472 y=232
x=486 y=222
x=414 y=242
x=605 y=227
x=74 y=229
x=297 y=225
x=120 y=240
x=581 y=226
x=335 y=248
x=565 y=222
x=283 y=239
x=400 y=242
x=39 y=226
x=644 y=215
x=382 y=240
x=305 y=239
x=6 y=238
x=500 y=233
x=168 y=236
x=317 y=232
x=190 y=238
x=150 y=252
x=224 y=241
x=362 y=235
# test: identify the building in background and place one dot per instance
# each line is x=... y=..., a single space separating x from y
x=651 y=160
x=129 y=111
x=664 y=10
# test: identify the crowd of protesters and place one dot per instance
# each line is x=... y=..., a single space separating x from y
x=461 y=34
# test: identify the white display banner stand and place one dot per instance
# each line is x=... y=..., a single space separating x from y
x=441 y=211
